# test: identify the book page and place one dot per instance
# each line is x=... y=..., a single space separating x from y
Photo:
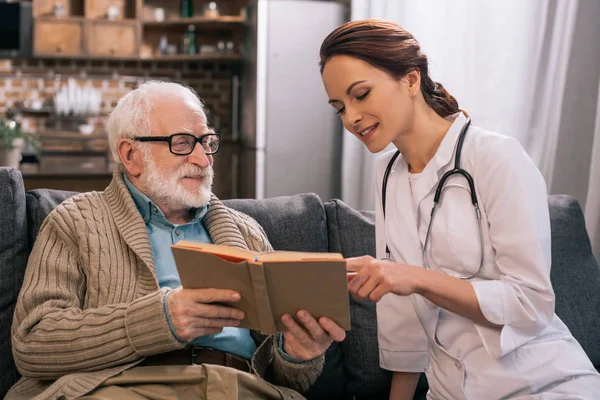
x=225 y=252
x=274 y=256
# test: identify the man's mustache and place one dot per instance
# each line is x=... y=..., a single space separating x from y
x=191 y=171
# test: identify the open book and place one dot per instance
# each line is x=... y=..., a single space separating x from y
x=270 y=284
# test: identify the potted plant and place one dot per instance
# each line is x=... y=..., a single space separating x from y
x=12 y=142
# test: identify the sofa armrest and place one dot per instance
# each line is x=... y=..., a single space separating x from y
x=13 y=261
x=575 y=274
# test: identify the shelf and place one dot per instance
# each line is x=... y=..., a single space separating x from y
x=175 y=57
x=196 y=57
x=78 y=18
x=34 y=172
x=74 y=135
x=44 y=56
x=42 y=111
x=50 y=113
x=222 y=22
x=71 y=18
x=74 y=153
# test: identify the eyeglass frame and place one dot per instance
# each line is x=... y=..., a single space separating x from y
x=169 y=139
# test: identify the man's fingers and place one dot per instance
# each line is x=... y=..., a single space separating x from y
x=216 y=311
x=214 y=295
x=312 y=326
x=295 y=329
x=334 y=331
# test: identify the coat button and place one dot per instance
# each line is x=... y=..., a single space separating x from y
x=177 y=232
x=155 y=209
x=457 y=364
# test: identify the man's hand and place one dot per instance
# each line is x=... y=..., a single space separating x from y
x=193 y=312
x=312 y=340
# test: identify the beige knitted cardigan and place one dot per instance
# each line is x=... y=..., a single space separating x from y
x=90 y=306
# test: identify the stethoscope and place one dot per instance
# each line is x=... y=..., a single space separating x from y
x=439 y=191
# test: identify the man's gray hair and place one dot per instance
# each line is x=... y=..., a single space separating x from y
x=131 y=116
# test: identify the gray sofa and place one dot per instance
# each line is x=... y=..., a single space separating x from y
x=304 y=223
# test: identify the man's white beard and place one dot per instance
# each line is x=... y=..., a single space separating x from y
x=166 y=189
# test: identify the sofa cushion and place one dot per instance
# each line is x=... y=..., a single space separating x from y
x=291 y=222
x=575 y=274
x=13 y=260
x=39 y=204
x=352 y=233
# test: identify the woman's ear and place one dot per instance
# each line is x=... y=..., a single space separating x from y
x=413 y=79
x=130 y=157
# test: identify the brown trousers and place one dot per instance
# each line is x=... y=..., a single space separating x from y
x=205 y=382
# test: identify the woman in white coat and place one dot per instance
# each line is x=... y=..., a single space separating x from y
x=475 y=311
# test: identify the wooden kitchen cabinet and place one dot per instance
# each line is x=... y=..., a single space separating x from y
x=60 y=37
x=133 y=32
x=112 y=38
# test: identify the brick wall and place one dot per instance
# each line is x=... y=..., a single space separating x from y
x=25 y=79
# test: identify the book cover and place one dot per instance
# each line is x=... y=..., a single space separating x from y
x=270 y=284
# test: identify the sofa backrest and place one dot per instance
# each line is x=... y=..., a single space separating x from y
x=291 y=222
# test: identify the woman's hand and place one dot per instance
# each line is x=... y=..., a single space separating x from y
x=375 y=278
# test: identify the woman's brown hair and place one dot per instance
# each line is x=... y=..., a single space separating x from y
x=392 y=49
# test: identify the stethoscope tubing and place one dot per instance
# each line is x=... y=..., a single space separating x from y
x=439 y=191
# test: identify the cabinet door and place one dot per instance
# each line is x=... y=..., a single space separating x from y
x=57 y=37
x=113 y=39
x=46 y=7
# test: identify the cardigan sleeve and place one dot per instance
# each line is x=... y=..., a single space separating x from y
x=56 y=333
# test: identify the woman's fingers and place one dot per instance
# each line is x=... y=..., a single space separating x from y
x=354 y=264
x=372 y=282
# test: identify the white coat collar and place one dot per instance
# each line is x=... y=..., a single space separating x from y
x=399 y=187
x=441 y=161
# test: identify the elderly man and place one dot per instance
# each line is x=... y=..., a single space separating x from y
x=102 y=314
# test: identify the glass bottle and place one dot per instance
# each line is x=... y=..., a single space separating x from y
x=162 y=46
x=191 y=40
x=187 y=8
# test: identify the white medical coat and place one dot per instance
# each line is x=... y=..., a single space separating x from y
x=534 y=351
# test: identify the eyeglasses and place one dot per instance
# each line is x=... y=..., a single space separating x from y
x=182 y=144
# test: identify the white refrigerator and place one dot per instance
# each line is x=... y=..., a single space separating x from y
x=291 y=136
